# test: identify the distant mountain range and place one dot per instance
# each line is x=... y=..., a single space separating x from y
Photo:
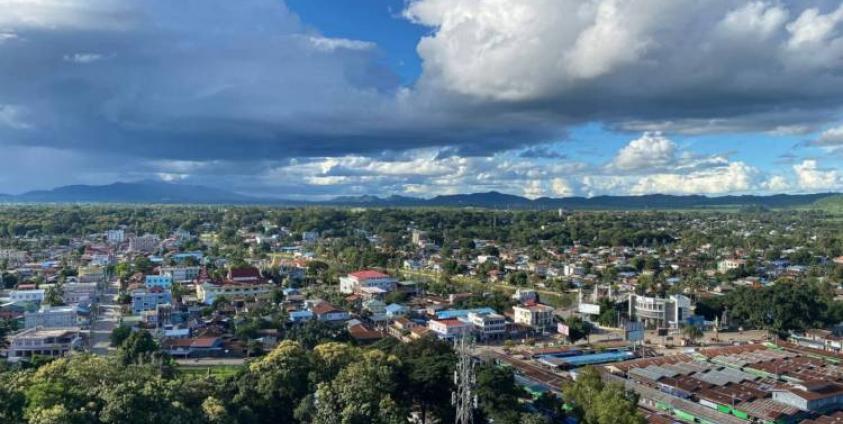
x=158 y=192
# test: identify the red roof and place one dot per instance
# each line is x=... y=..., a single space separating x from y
x=451 y=322
x=324 y=308
x=245 y=272
x=368 y=274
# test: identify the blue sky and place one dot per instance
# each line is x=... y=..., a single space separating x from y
x=319 y=98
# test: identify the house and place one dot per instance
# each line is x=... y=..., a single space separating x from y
x=300 y=316
x=448 y=329
x=366 y=278
x=395 y=310
x=51 y=317
x=727 y=265
x=401 y=328
x=363 y=334
x=199 y=347
x=536 y=316
x=324 y=311
x=41 y=342
x=29 y=295
x=376 y=309
x=163 y=281
x=148 y=299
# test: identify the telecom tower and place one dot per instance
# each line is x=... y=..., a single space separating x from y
x=463 y=397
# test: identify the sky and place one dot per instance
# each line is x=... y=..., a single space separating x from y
x=312 y=99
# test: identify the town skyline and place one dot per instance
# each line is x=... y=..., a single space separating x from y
x=315 y=99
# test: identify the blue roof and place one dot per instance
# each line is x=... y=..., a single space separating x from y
x=462 y=313
x=395 y=307
x=594 y=358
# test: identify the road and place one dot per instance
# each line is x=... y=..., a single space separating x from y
x=106 y=317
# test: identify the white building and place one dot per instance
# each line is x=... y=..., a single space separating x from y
x=539 y=317
x=181 y=274
x=115 y=236
x=51 y=317
x=144 y=243
x=727 y=265
x=35 y=341
x=487 y=325
x=368 y=278
x=449 y=328
x=78 y=292
x=32 y=295
x=309 y=236
x=661 y=312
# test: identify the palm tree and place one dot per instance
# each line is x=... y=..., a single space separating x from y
x=692 y=332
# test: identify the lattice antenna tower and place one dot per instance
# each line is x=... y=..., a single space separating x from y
x=463 y=398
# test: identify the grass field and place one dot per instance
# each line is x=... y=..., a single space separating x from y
x=217 y=371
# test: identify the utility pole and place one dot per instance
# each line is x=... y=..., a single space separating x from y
x=463 y=398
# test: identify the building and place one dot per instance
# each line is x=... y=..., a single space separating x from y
x=181 y=274
x=310 y=236
x=448 y=329
x=13 y=257
x=29 y=295
x=163 y=281
x=149 y=299
x=324 y=311
x=419 y=238
x=240 y=283
x=144 y=243
x=36 y=341
x=353 y=282
x=115 y=236
x=488 y=325
x=727 y=265
x=51 y=317
x=78 y=293
x=812 y=396
x=668 y=312
x=538 y=317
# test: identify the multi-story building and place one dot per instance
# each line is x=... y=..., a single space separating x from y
x=35 y=341
x=144 y=243
x=181 y=274
x=51 y=317
x=661 y=312
x=487 y=325
x=727 y=265
x=13 y=256
x=164 y=281
x=149 y=299
x=240 y=283
x=309 y=236
x=115 y=236
x=79 y=293
x=448 y=329
x=537 y=316
x=29 y=295
x=419 y=238
x=367 y=278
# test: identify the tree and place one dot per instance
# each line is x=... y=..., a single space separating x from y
x=692 y=332
x=599 y=403
x=53 y=295
x=274 y=385
x=120 y=334
x=138 y=347
x=362 y=393
x=578 y=329
x=498 y=394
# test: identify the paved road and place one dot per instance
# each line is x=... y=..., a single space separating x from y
x=106 y=317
